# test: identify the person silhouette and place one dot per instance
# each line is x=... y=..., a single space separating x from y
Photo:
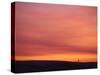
x=78 y=60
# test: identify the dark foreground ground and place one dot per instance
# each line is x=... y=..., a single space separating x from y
x=40 y=66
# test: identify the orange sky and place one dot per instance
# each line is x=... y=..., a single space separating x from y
x=55 y=32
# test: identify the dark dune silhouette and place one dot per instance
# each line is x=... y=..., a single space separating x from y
x=42 y=65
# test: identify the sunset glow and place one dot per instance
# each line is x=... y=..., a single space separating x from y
x=55 y=32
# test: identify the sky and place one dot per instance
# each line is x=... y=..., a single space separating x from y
x=55 y=32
